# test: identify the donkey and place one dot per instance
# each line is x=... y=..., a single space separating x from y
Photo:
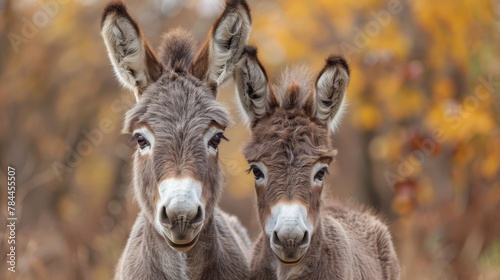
x=289 y=153
x=180 y=232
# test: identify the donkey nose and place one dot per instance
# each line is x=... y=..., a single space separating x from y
x=181 y=215
x=290 y=237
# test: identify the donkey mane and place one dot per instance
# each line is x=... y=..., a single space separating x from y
x=177 y=49
x=139 y=113
x=293 y=133
x=294 y=87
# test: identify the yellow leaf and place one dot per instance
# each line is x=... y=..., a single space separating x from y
x=490 y=166
x=367 y=117
x=443 y=89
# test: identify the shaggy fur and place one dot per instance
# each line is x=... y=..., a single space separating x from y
x=290 y=134
x=176 y=103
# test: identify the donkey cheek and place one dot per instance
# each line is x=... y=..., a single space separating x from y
x=316 y=199
x=155 y=197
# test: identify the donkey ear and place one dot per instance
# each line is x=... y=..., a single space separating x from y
x=134 y=62
x=331 y=87
x=252 y=86
x=217 y=58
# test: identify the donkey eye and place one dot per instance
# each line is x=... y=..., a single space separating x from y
x=257 y=173
x=320 y=174
x=141 y=141
x=215 y=140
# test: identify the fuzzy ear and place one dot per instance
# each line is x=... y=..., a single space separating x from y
x=252 y=86
x=217 y=58
x=331 y=87
x=134 y=62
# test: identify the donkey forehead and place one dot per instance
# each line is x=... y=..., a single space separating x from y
x=176 y=102
x=288 y=137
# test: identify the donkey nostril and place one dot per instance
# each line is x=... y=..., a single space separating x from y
x=305 y=239
x=198 y=217
x=275 y=239
x=164 y=216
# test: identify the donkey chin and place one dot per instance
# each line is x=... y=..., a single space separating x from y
x=289 y=253
x=182 y=240
x=181 y=213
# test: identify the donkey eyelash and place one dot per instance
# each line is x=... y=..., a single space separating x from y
x=252 y=166
x=224 y=137
x=324 y=169
x=134 y=137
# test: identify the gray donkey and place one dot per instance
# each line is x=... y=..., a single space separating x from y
x=177 y=123
x=289 y=153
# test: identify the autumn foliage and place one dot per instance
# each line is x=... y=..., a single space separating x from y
x=420 y=142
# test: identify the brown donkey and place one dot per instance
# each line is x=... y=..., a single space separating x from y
x=289 y=152
x=177 y=124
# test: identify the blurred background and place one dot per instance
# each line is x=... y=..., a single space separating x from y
x=420 y=143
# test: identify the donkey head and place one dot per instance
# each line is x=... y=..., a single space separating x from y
x=290 y=148
x=176 y=122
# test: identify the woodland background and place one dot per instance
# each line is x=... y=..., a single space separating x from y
x=420 y=143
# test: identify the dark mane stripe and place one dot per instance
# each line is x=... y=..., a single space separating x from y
x=177 y=49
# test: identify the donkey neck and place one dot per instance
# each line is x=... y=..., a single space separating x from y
x=204 y=250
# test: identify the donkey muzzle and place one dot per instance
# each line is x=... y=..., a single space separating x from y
x=290 y=237
x=290 y=242
x=180 y=213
